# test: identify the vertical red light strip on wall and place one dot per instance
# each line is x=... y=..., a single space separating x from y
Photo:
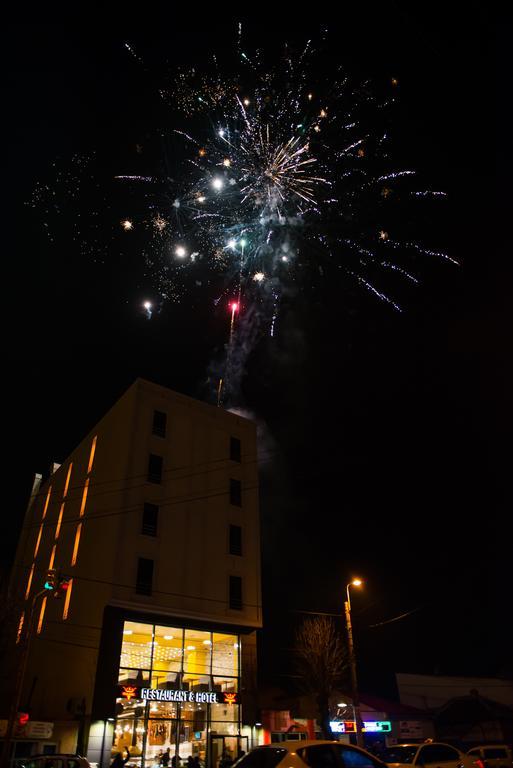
x=91 y=455
x=79 y=526
x=59 y=521
x=67 y=600
x=38 y=542
x=20 y=627
x=47 y=502
x=84 y=498
x=41 y=616
x=76 y=545
x=66 y=486
x=29 y=582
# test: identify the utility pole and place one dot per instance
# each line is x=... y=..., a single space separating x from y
x=24 y=645
x=352 y=660
x=56 y=584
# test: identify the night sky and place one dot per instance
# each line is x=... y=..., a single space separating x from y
x=383 y=432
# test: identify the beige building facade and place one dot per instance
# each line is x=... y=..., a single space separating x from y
x=154 y=519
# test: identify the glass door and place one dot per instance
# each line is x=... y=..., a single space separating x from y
x=225 y=750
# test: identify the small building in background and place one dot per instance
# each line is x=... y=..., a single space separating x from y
x=465 y=710
x=285 y=717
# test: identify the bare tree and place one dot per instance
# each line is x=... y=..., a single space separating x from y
x=323 y=661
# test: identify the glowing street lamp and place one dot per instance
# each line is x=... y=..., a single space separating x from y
x=352 y=661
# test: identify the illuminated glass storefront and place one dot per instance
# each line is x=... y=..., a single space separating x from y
x=178 y=689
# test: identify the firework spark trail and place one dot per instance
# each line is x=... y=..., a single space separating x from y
x=136 y=178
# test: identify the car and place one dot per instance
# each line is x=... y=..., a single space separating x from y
x=52 y=761
x=308 y=754
x=429 y=754
x=493 y=755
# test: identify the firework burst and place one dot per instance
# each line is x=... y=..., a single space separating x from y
x=287 y=175
x=281 y=173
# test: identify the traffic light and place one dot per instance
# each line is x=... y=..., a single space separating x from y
x=62 y=586
x=57 y=583
x=51 y=579
x=22 y=719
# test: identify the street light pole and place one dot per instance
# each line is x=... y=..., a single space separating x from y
x=352 y=661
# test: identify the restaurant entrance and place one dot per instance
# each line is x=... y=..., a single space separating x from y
x=177 y=687
x=227 y=748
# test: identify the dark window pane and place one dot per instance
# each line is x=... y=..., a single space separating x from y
x=144 y=576
x=235 y=540
x=159 y=423
x=399 y=754
x=495 y=753
x=155 y=468
x=351 y=758
x=446 y=753
x=235 y=449
x=235 y=493
x=236 y=593
x=150 y=519
x=436 y=753
x=322 y=756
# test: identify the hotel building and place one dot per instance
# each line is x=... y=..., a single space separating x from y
x=154 y=519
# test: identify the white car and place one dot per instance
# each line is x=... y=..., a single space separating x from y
x=52 y=761
x=432 y=754
x=493 y=755
x=313 y=754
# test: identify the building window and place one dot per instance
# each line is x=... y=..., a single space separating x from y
x=236 y=593
x=150 y=519
x=235 y=492
x=235 y=449
x=155 y=468
x=235 y=540
x=159 y=423
x=144 y=576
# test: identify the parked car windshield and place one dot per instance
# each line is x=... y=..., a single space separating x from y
x=399 y=754
x=493 y=753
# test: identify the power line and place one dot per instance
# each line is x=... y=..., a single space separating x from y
x=396 y=618
x=78 y=577
x=170 y=501
x=253 y=458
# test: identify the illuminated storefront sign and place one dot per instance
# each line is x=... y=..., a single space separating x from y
x=369 y=726
x=377 y=726
x=343 y=726
x=129 y=692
